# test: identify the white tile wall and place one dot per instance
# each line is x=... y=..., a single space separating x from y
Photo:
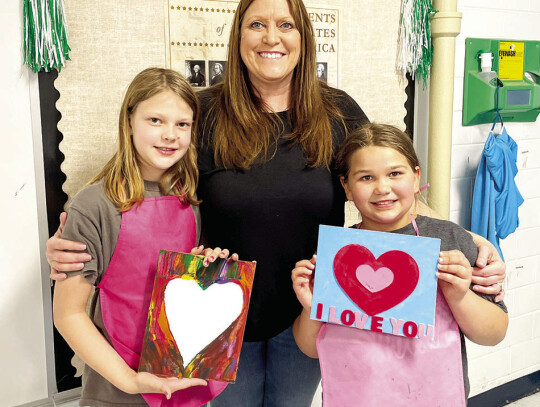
x=523 y=353
x=475 y=351
x=459 y=137
x=519 y=353
x=478 y=134
x=459 y=65
x=462 y=218
x=535 y=5
x=528 y=147
x=520 y=25
x=521 y=272
x=494 y=4
x=486 y=369
x=529 y=242
x=509 y=247
x=526 y=300
x=520 y=329
x=528 y=182
x=461 y=189
x=465 y=159
x=530 y=210
x=536 y=330
x=458 y=91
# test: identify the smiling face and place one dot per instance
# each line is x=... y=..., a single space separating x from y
x=270 y=44
x=161 y=131
x=382 y=185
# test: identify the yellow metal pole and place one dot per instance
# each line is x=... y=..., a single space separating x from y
x=445 y=26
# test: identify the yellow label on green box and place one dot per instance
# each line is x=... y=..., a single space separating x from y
x=511 y=61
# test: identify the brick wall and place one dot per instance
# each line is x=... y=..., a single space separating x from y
x=519 y=353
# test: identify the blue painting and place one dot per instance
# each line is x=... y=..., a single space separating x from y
x=383 y=282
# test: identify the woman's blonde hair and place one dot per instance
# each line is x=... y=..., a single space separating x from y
x=242 y=128
x=122 y=179
x=378 y=135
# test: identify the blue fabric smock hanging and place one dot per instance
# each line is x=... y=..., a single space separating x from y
x=496 y=198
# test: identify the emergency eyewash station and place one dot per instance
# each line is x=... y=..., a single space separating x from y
x=501 y=82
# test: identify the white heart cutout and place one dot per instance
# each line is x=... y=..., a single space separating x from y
x=196 y=317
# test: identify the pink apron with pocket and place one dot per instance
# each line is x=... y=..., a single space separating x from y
x=160 y=223
x=364 y=368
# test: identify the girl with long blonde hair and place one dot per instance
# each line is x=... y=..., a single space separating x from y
x=141 y=202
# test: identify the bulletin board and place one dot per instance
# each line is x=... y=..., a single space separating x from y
x=112 y=41
x=204 y=40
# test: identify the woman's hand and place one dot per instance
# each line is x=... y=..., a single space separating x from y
x=490 y=270
x=480 y=320
x=210 y=255
x=64 y=255
x=455 y=273
x=143 y=382
x=302 y=278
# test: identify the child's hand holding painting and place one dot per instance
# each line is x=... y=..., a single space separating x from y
x=212 y=254
x=454 y=275
x=143 y=382
x=305 y=330
x=486 y=326
x=302 y=277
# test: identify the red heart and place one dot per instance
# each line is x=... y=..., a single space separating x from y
x=405 y=270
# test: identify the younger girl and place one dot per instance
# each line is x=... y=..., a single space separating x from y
x=141 y=201
x=380 y=174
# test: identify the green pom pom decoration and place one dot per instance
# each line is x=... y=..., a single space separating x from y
x=414 y=43
x=45 y=35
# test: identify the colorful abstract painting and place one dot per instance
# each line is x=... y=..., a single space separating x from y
x=197 y=317
x=383 y=282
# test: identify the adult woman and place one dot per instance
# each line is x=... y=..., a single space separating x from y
x=266 y=149
x=268 y=135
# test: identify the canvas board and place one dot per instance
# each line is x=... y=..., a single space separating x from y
x=197 y=317
x=383 y=282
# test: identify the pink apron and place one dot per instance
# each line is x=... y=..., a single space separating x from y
x=363 y=368
x=160 y=223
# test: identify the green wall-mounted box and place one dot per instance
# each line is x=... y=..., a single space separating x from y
x=517 y=64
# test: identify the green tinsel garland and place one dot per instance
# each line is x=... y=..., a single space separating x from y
x=45 y=35
x=414 y=44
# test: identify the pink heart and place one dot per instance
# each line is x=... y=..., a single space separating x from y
x=374 y=280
